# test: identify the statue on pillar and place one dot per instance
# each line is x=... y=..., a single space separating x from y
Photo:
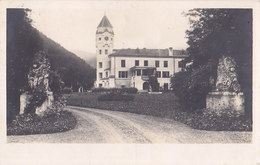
x=40 y=97
x=227 y=94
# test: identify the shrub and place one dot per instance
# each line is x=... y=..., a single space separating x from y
x=191 y=87
x=115 y=90
x=129 y=90
x=228 y=120
x=67 y=90
x=32 y=124
x=115 y=97
x=153 y=81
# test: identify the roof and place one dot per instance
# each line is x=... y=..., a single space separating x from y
x=142 y=52
x=105 y=22
x=163 y=53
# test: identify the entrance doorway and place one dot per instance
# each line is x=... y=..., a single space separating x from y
x=165 y=86
x=145 y=86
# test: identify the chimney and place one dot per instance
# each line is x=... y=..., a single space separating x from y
x=170 y=51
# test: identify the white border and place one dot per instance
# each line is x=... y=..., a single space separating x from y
x=132 y=154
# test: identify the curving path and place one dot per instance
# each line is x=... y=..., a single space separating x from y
x=102 y=126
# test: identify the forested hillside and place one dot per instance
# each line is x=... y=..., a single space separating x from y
x=74 y=71
x=90 y=58
x=23 y=42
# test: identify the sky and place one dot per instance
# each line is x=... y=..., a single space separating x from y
x=135 y=24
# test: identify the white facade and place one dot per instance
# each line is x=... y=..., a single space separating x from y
x=119 y=68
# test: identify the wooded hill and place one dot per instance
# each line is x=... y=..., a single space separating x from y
x=74 y=71
x=23 y=42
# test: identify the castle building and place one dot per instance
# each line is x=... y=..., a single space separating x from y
x=119 y=68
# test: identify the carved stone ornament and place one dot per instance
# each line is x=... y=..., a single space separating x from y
x=227 y=75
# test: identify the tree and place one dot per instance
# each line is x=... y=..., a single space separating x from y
x=217 y=32
x=22 y=43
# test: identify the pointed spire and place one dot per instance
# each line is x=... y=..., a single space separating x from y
x=105 y=22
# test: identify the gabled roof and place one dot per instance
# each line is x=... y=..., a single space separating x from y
x=105 y=22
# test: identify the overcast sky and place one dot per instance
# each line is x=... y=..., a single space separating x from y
x=148 y=25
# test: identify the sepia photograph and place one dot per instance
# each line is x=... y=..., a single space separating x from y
x=121 y=72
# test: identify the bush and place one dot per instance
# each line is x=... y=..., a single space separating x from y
x=191 y=87
x=115 y=97
x=67 y=90
x=153 y=81
x=225 y=121
x=115 y=90
x=27 y=124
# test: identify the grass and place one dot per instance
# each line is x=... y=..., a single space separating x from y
x=156 y=105
x=165 y=105
x=33 y=124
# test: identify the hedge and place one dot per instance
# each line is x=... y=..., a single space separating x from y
x=115 y=90
x=115 y=97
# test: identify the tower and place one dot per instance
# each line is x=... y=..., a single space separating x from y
x=104 y=47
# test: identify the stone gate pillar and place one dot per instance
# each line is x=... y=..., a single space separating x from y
x=227 y=94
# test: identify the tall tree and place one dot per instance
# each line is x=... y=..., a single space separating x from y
x=22 y=43
x=217 y=32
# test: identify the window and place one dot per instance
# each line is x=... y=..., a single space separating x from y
x=165 y=74
x=165 y=64
x=106 y=74
x=158 y=74
x=106 y=51
x=122 y=86
x=100 y=64
x=100 y=51
x=138 y=72
x=111 y=39
x=136 y=62
x=99 y=38
x=157 y=64
x=122 y=74
x=122 y=63
x=100 y=85
x=145 y=63
x=145 y=72
x=100 y=75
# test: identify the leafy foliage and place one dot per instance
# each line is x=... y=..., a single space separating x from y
x=153 y=81
x=192 y=86
x=74 y=71
x=67 y=90
x=115 y=97
x=212 y=34
x=23 y=41
x=115 y=90
x=32 y=124
x=228 y=120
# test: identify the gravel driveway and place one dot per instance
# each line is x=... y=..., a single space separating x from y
x=101 y=126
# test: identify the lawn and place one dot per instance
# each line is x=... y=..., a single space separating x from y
x=162 y=105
